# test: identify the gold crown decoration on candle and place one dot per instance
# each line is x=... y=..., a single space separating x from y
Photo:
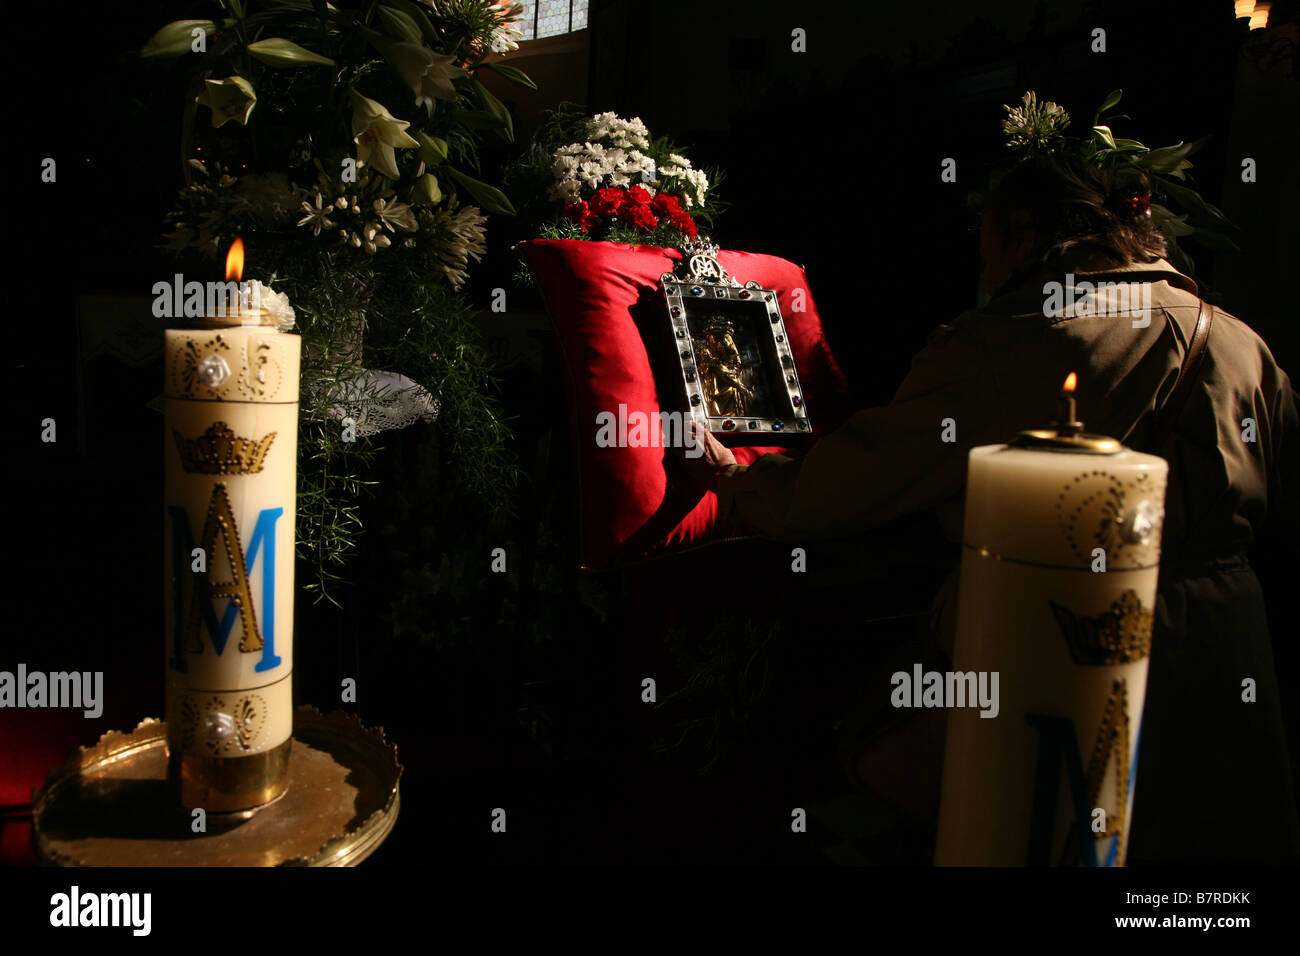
x=219 y=451
x=1065 y=432
x=1118 y=635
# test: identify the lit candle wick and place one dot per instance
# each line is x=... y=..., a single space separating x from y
x=1065 y=409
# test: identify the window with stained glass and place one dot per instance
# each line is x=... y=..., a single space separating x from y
x=549 y=18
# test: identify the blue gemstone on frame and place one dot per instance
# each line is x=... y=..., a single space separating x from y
x=777 y=426
x=696 y=290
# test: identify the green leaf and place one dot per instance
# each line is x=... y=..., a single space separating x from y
x=497 y=109
x=426 y=189
x=1109 y=103
x=1172 y=159
x=1188 y=199
x=433 y=150
x=400 y=24
x=175 y=39
x=511 y=73
x=418 y=16
x=277 y=51
x=1103 y=133
x=1129 y=145
x=1215 y=239
x=489 y=197
x=1168 y=223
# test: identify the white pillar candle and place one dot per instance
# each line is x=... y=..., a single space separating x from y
x=1058 y=583
x=230 y=452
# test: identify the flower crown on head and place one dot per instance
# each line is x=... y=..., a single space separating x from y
x=1147 y=176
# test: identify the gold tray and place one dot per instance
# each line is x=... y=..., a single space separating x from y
x=109 y=805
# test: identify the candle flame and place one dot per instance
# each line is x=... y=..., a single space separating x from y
x=235 y=260
x=1070 y=381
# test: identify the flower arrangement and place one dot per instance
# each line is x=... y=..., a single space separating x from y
x=604 y=177
x=341 y=140
x=1034 y=127
x=1037 y=128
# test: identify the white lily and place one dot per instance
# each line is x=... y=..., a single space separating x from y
x=429 y=74
x=229 y=99
x=376 y=133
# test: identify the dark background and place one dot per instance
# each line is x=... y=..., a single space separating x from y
x=832 y=160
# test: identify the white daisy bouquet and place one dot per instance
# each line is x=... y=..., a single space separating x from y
x=606 y=177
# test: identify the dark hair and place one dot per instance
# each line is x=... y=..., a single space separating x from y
x=1073 y=203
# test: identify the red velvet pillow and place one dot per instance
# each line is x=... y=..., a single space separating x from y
x=606 y=303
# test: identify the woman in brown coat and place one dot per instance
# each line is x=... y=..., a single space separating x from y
x=1213 y=779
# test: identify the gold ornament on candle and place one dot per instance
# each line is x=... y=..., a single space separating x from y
x=230 y=452
x=1058 y=584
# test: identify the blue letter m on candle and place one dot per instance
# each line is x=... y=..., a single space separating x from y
x=186 y=636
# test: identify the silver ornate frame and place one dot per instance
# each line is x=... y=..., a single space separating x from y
x=700 y=278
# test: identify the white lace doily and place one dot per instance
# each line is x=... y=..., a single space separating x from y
x=379 y=401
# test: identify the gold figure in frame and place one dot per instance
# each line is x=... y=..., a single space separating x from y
x=721 y=372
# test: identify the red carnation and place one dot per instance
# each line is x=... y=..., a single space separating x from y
x=639 y=195
x=580 y=213
x=606 y=202
x=639 y=216
x=666 y=204
x=684 y=224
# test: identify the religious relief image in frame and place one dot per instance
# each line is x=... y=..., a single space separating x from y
x=736 y=364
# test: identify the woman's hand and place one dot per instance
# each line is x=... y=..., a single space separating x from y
x=705 y=455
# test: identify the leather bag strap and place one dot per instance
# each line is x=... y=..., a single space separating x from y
x=1188 y=376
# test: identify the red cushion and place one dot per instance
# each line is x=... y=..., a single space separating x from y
x=606 y=303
